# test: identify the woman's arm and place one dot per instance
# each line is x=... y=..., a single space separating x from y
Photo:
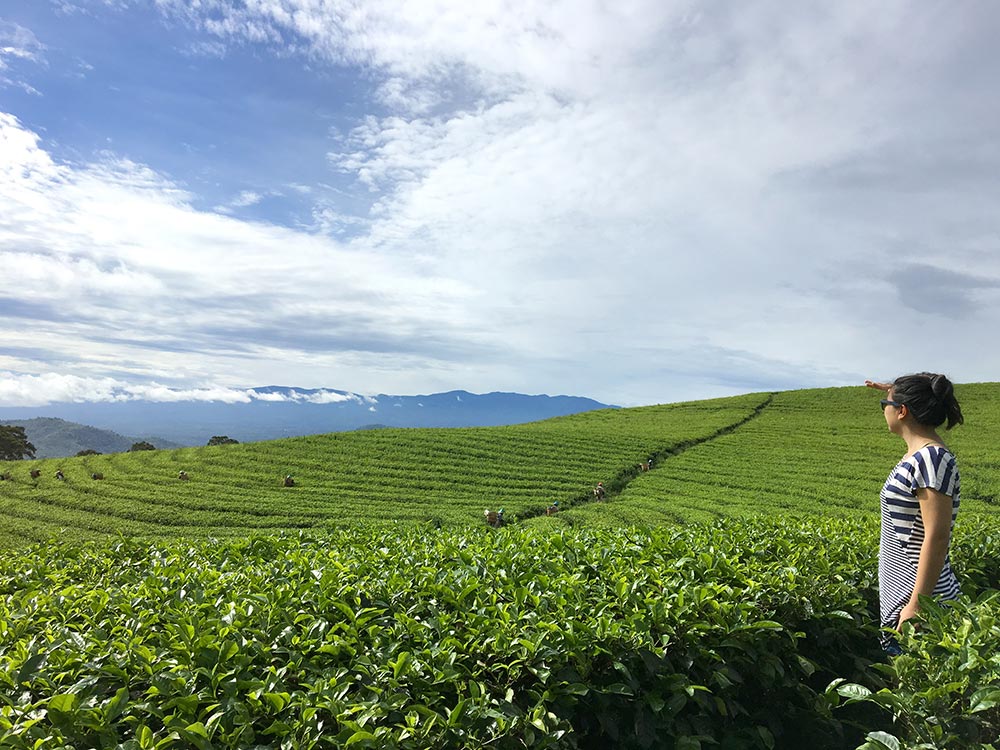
x=935 y=509
x=879 y=386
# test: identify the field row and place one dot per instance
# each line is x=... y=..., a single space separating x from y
x=800 y=453
x=798 y=460
x=439 y=476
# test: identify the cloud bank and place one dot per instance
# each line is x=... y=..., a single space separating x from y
x=40 y=390
x=639 y=203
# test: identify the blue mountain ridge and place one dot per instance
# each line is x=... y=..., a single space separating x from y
x=330 y=410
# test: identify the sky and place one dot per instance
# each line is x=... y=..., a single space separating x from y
x=639 y=201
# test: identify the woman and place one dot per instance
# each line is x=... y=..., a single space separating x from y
x=919 y=500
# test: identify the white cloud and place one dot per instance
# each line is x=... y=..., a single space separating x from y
x=203 y=48
x=319 y=397
x=247 y=198
x=18 y=45
x=89 y=7
x=273 y=397
x=17 y=389
x=34 y=390
x=18 y=42
x=626 y=196
x=329 y=397
x=648 y=200
x=26 y=87
x=110 y=257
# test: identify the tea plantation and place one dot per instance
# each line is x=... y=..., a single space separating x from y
x=444 y=476
x=722 y=599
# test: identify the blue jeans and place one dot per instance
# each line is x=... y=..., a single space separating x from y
x=891 y=646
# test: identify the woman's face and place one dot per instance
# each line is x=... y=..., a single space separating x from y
x=891 y=414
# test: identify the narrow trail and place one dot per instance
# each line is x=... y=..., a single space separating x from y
x=617 y=484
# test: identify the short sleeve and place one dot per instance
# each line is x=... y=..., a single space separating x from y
x=935 y=469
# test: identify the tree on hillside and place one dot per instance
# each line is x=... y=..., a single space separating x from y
x=14 y=444
x=142 y=445
x=222 y=440
x=88 y=452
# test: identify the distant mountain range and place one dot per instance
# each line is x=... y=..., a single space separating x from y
x=54 y=438
x=282 y=411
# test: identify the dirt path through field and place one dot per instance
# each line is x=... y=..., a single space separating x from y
x=617 y=484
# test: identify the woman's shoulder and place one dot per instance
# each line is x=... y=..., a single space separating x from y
x=932 y=449
x=935 y=454
x=937 y=449
x=936 y=457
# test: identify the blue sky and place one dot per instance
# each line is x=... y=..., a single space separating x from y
x=640 y=202
x=221 y=121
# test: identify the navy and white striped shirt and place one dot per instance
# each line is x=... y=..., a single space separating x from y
x=903 y=527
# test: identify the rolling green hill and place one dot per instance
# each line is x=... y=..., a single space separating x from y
x=805 y=452
x=53 y=437
x=809 y=453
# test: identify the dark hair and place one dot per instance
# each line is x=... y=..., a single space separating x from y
x=929 y=397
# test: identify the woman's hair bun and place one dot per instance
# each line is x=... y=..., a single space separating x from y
x=942 y=387
x=930 y=397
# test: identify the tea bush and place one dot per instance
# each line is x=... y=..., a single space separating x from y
x=944 y=690
x=592 y=628
x=714 y=636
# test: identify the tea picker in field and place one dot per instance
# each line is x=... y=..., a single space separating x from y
x=919 y=500
x=599 y=491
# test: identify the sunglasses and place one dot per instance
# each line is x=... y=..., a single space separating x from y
x=889 y=402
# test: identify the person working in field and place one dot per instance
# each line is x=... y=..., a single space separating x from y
x=599 y=491
x=919 y=500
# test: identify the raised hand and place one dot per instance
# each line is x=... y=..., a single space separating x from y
x=879 y=386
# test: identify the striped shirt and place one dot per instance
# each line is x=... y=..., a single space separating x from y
x=903 y=528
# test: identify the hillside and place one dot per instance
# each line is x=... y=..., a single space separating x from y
x=810 y=452
x=55 y=438
x=791 y=453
